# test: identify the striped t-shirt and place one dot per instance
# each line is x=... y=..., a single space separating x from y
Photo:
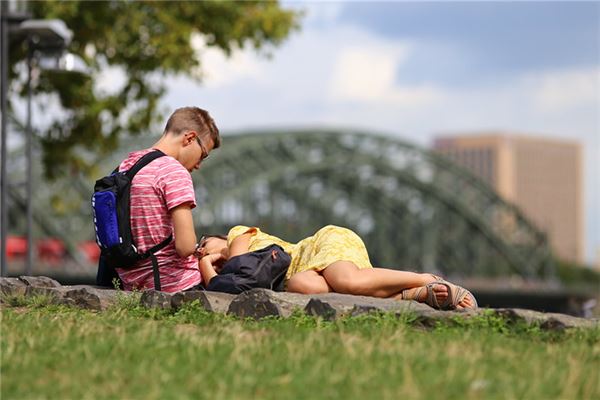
x=160 y=186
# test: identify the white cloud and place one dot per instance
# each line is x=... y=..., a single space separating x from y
x=560 y=90
x=367 y=73
x=218 y=70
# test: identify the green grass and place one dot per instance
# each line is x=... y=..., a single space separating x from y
x=129 y=352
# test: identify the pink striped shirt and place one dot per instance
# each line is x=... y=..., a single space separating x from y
x=157 y=188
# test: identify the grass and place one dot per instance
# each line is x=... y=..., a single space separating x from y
x=129 y=352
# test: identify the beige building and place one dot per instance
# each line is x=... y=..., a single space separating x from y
x=543 y=176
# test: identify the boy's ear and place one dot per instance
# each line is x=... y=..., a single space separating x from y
x=188 y=138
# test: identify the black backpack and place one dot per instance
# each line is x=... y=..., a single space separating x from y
x=111 y=210
x=265 y=268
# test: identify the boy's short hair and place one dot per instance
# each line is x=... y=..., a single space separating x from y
x=196 y=119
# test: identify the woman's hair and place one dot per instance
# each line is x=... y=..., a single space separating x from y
x=204 y=237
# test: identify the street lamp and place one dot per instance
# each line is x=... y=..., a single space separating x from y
x=48 y=38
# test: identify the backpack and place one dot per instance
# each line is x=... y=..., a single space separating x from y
x=265 y=268
x=110 y=207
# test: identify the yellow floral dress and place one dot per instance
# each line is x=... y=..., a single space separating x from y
x=328 y=245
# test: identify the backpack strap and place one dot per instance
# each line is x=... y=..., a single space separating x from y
x=139 y=164
x=143 y=161
x=150 y=253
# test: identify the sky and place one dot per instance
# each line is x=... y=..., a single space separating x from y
x=417 y=70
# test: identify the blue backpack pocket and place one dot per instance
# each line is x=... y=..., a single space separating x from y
x=104 y=206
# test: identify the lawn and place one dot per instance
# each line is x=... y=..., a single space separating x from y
x=133 y=353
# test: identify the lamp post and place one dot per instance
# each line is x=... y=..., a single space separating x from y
x=48 y=37
x=7 y=19
x=3 y=152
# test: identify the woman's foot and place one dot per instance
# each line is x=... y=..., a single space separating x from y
x=436 y=294
x=420 y=294
x=466 y=302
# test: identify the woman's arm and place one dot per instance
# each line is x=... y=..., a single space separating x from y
x=207 y=270
x=240 y=244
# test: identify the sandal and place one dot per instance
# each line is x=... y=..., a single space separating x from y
x=430 y=300
x=455 y=295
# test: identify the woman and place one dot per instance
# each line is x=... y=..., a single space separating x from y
x=334 y=259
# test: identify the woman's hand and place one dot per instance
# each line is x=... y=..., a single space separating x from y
x=212 y=259
x=207 y=266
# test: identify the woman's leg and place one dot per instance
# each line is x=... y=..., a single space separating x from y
x=308 y=282
x=346 y=277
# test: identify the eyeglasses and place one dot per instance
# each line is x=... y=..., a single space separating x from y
x=204 y=152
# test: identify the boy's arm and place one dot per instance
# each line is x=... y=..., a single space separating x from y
x=183 y=230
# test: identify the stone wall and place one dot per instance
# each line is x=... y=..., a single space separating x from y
x=259 y=303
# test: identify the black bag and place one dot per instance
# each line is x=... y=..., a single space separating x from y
x=265 y=268
x=111 y=209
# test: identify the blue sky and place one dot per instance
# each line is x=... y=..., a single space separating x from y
x=416 y=70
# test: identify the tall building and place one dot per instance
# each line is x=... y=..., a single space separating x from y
x=542 y=176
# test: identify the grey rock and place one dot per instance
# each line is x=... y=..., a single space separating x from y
x=155 y=299
x=54 y=294
x=93 y=298
x=547 y=321
x=40 y=281
x=179 y=298
x=328 y=310
x=334 y=305
x=83 y=296
x=211 y=301
x=218 y=302
x=12 y=287
x=260 y=303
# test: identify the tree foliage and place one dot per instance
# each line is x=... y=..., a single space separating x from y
x=149 y=40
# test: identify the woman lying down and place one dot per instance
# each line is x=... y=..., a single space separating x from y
x=334 y=259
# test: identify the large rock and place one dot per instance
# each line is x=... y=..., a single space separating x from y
x=39 y=281
x=12 y=287
x=180 y=298
x=217 y=302
x=156 y=299
x=94 y=298
x=548 y=321
x=334 y=305
x=211 y=301
x=83 y=296
x=260 y=303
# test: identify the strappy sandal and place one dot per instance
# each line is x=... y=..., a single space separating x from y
x=458 y=294
x=455 y=295
x=430 y=300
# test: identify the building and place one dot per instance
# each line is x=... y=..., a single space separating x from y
x=542 y=176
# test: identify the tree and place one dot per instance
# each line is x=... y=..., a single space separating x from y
x=148 y=40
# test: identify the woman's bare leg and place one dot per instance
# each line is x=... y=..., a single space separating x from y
x=346 y=277
x=308 y=282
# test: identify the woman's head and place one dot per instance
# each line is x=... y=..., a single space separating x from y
x=212 y=244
